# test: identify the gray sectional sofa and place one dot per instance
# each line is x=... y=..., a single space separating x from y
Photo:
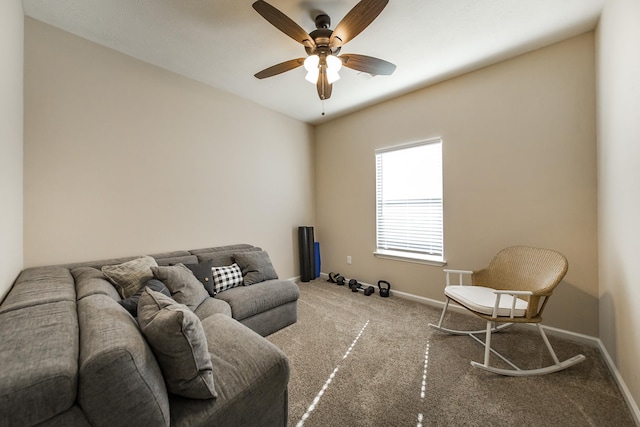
x=72 y=355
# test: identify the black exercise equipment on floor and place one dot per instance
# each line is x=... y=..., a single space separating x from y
x=336 y=278
x=384 y=288
x=355 y=287
x=306 y=250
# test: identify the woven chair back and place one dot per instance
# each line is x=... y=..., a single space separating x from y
x=523 y=268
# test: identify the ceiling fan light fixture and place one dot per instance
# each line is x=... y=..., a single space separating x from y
x=323 y=44
x=334 y=64
x=311 y=65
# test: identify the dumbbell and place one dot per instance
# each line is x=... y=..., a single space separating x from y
x=336 y=278
x=355 y=287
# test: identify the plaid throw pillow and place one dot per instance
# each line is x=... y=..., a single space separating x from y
x=226 y=277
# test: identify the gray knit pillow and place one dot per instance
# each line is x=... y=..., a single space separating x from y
x=130 y=276
x=256 y=267
x=185 y=288
x=179 y=343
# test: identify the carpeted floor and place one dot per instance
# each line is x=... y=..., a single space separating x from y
x=372 y=361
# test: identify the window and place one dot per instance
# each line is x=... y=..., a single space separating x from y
x=409 y=202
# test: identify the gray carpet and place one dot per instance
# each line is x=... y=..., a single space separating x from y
x=372 y=361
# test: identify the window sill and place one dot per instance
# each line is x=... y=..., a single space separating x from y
x=409 y=257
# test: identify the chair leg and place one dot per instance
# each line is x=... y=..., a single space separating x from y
x=487 y=344
x=548 y=344
x=444 y=310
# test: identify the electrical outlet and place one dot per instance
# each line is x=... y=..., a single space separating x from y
x=348 y=259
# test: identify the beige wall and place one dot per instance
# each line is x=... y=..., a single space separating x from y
x=123 y=158
x=11 y=103
x=519 y=168
x=618 y=38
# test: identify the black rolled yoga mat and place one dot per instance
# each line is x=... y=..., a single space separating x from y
x=307 y=253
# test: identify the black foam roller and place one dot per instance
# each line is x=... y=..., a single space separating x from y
x=311 y=253
x=305 y=243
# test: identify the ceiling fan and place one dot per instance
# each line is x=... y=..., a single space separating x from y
x=323 y=45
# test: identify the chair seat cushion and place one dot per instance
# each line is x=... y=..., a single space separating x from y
x=482 y=300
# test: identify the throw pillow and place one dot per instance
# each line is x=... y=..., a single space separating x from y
x=130 y=276
x=204 y=274
x=179 y=343
x=256 y=267
x=131 y=303
x=226 y=277
x=184 y=286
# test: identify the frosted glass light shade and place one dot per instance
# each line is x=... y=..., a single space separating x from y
x=333 y=66
x=333 y=63
x=311 y=65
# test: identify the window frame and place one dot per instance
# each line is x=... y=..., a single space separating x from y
x=407 y=255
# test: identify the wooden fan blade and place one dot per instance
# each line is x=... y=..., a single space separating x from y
x=368 y=64
x=356 y=20
x=280 y=68
x=323 y=85
x=283 y=23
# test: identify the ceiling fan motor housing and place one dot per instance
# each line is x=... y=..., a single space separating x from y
x=321 y=38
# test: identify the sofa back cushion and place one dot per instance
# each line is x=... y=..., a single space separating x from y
x=223 y=256
x=118 y=371
x=91 y=281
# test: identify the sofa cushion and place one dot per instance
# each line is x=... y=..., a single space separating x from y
x=247 y=301
x=130 y=276
x=203 y=272
x=39 y=360
x=212 y=306
x=251 y=387
x=178 y=340
x=256 y=267
x=119 y=373
x=222 y=258
x=227 y=248
x=226 y=277
x=185 y=259
x=71 y=417
x=185 y=288
x=91 y=281
x=39 y=286
x=131 y=303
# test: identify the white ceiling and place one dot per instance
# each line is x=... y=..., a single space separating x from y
x=223 y=43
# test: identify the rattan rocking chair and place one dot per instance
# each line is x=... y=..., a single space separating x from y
x=514 y=288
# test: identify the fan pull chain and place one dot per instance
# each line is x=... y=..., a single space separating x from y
x=323 y=107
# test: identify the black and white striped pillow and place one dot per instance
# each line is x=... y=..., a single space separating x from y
x=226 y=277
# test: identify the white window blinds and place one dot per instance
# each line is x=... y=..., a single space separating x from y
x=409 y=200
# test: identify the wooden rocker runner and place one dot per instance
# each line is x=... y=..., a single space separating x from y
x=514 y=288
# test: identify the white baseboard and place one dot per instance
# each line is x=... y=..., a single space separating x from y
x=633 y=406
x=561 y=333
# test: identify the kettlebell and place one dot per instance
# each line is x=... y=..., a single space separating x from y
x=384 y=287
